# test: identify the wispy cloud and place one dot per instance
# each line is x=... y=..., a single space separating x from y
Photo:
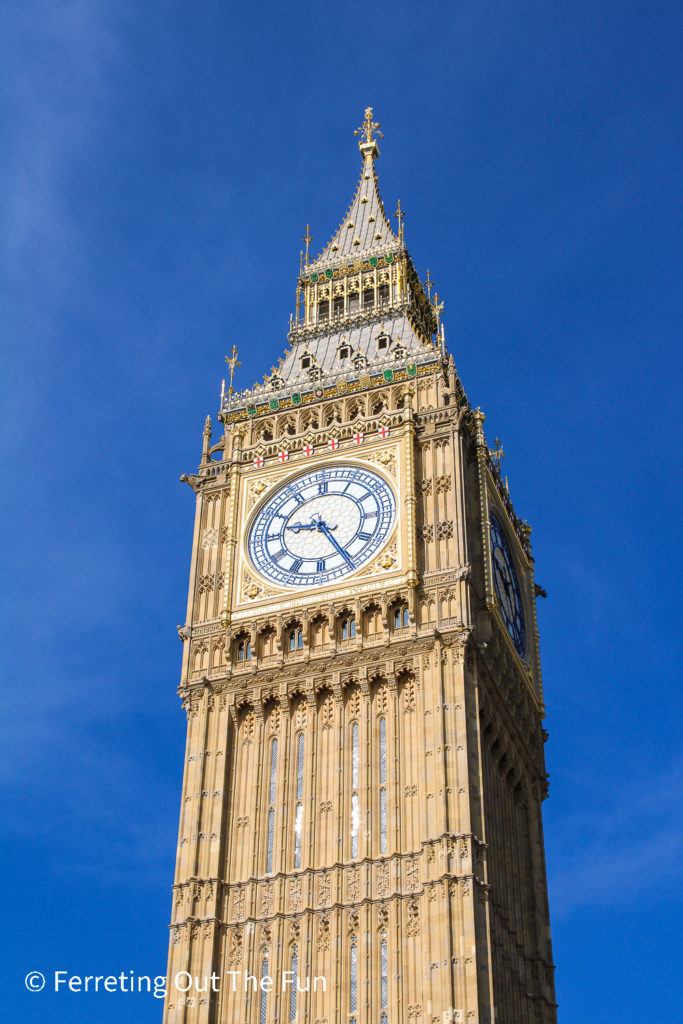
x=621 y=844
x=56 y=101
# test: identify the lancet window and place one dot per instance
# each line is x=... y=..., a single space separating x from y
x=294 y=983
x=383 y=785
x=299 y=819
x=271 y=804
x=355 y=807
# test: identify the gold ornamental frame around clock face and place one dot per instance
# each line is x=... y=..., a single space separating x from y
x=320 y=526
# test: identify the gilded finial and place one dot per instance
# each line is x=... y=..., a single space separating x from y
x=368 y=127
x=438 y=310
x=400 y=217
x=307 y=239
x=231 y=360
x=498 y=455
x=429 y=284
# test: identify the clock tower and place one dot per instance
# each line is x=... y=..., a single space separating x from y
x=360 y=832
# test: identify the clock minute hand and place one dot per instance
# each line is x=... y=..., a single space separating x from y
x=322 y=526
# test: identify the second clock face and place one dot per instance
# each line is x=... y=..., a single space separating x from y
x=507 y=586
x=321 y=526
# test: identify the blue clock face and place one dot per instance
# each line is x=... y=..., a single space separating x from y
x=507 y=586
x=321 y=526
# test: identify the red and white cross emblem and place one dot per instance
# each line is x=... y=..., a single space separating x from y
x=307 y=450
x=283 y=456
x=383 y=432
x=258 y=461
x=333 y=444
x=358 y=437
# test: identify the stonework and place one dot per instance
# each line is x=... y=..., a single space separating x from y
x=364 y=767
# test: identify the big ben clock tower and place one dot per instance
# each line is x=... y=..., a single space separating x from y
x=360 y=831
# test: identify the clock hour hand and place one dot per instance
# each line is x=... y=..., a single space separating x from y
x=295 y=527
x=317 y=523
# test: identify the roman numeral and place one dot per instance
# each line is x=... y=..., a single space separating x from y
x=364 y=536
x=322 y=488
x=279 y=554
x=296 y=565
x=320 y=565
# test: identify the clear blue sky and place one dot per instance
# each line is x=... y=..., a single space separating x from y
x=160 y=163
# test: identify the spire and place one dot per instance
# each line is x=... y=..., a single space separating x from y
x=365 y=228
x=360 y=306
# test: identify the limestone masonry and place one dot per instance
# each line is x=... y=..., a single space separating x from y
x=364 y=768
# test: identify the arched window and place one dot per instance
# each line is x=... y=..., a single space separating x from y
x=353 y=994
x=263 y=1009
x=299 y=819
x=373 y=620
x=384 y=974
x=355 y=808
x=294 y=985
x=401 y=617
x=267 y=643
x=296 y=639
x=348 y=628
x=243 y=650
x=383 y=785
x=271 y=805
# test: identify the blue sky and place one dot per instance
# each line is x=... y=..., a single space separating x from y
x=161 y=161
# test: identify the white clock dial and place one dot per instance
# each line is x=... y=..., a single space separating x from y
x=321 y=526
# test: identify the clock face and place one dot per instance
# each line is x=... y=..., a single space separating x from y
x=321 y=526
x=507 y=586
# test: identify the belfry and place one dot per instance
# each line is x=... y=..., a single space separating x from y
x=360 y=834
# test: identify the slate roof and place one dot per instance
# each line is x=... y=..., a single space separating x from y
x=364 y=221
x=361 y=340
x=404 y=347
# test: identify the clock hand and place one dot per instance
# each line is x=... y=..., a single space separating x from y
x=324 y=529
x=503 y=575
x=301 y=526
x=315 y=525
